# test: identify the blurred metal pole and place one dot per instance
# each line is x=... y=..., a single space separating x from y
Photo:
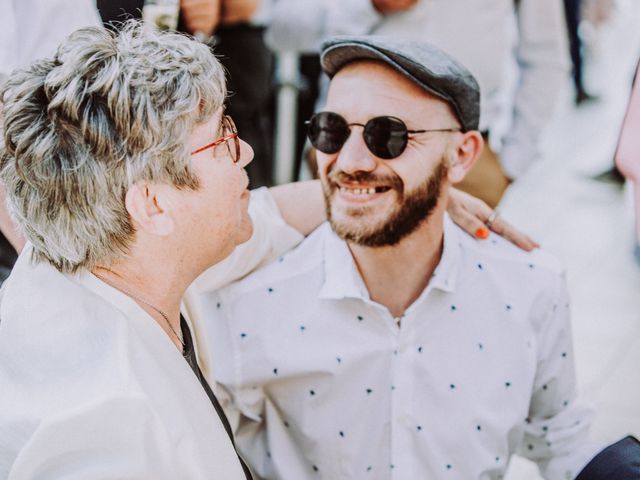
x=288 y=82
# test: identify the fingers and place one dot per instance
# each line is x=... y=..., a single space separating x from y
x=461 y=210
x=387 y=7
x=471 y=214
x=518 y=238
x=200 y=16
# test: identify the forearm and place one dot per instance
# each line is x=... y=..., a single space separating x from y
x=200 y=16
x=301 y=204
x=238 y=11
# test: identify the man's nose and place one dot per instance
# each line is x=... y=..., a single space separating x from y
x=355 y=156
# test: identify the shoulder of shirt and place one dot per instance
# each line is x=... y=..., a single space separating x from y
x=303 y=259
x=55 y=324
x=498 y=249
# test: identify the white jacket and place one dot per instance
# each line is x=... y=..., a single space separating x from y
x=92 y=388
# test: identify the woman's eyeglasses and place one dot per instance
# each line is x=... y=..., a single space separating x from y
x=386 y=137
x=229 y=132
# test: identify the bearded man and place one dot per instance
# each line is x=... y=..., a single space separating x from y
x=389 y=344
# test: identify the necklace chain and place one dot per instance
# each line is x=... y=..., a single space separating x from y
x=141 y=300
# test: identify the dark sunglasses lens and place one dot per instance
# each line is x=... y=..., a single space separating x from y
x=386 y=137
x=328 y=132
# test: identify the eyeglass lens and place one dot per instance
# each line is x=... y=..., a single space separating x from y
x=229 y=128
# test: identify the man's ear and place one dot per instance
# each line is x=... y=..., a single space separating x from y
x=150 y=209
x=464 y=156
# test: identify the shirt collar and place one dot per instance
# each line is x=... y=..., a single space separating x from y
x=341 y=276
x=120 y=300
x=128 y=306
x=343 y=280
x=446 y=272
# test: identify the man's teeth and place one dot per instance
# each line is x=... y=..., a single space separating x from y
x=358 y=191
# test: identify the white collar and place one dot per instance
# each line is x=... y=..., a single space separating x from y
x=343 y=280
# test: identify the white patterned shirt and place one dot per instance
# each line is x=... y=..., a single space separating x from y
x=328 y=385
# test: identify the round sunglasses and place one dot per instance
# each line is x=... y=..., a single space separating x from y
x=386 y=136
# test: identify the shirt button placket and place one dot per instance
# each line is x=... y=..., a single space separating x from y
x=401 y=417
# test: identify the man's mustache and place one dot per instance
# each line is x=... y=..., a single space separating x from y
x=392 y=181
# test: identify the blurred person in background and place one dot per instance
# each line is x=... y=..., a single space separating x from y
x=627 y=157
x=597 y=12
x=250 y=63
x=110 y=169
x=32 y=29
x=573 y=13
x=234 y=29
x=489 y=37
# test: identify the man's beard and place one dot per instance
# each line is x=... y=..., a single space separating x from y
x=410 y=211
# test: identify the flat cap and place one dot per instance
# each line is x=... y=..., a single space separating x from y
x=429 y=67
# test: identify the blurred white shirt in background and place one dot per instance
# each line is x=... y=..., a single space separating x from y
x=518 y=55
x=32 y=29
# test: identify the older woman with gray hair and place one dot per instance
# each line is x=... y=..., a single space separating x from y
x=128 y=181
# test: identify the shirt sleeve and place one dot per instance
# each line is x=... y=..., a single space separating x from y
x=352 y=17
x=557 y=428
x=620 y=460
x=114 y=438
x=32 y=30
x=8 y=38
x=302 y=25
x=297 y=26
x=542 y=55
x=271 y=237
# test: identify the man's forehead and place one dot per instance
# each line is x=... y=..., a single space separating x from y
x=372 y=69
x=375 y=74
x=371 y=83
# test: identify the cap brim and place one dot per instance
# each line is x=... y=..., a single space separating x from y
x=336 y=57
x=343 y=51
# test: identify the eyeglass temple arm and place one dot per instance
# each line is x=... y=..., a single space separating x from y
x=436 y=130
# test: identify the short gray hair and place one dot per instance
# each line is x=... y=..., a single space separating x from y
x=79 y=129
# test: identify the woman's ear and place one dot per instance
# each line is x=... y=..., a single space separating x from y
x=150 y=208
x=464 y=155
